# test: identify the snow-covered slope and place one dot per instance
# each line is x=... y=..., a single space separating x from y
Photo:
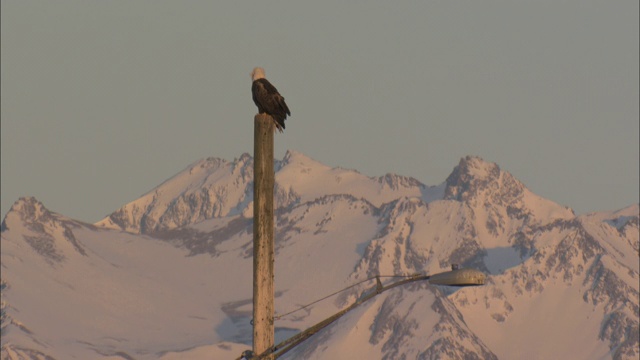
x=208 y=188
x=169 y=275
x=213 y=188
x=75 y=291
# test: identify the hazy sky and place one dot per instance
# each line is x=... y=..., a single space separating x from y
x=104 y=100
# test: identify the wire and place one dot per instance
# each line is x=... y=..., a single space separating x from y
x=278 y=317
x=280 y=349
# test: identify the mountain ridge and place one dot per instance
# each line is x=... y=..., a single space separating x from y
x=334 y=227
x=193 y=191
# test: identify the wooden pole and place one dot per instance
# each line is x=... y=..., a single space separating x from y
x=263 y=234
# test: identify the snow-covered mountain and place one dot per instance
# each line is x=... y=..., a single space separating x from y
x=214 y=188
x=168 y=275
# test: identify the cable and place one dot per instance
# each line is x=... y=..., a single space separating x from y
x=280 y=349
x=278 y=317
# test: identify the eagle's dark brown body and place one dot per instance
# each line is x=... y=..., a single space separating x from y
x=268 y=99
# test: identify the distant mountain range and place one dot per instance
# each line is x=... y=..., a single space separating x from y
x=169 y=275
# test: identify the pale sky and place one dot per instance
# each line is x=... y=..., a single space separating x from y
x=104 y=100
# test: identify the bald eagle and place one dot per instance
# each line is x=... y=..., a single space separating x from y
x=268 y=99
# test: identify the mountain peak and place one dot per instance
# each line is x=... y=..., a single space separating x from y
x=292 y=157
x=27 y=209
x=46 y=232
x=497 y=194
x=208 y=188
x=395 y=181
x=245 y=157
x=29 y=205
x=470 y=175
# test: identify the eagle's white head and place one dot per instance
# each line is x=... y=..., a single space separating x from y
x=257 y=73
